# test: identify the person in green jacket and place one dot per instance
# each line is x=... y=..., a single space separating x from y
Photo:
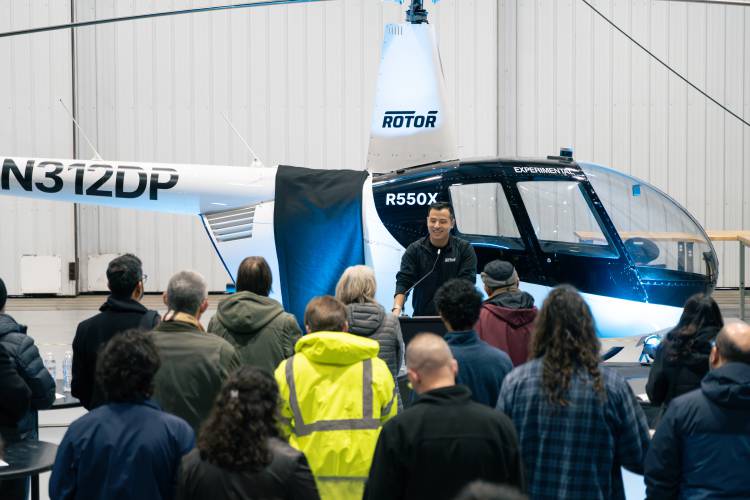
x=194 y=364
x=256 y=325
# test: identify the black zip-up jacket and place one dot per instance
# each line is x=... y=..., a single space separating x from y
x=29 y=365
x=672 y=376
x=457 y=260
x=15 y=395
x=287 y=477
x=702 y=445
x=117 y=315
x=440 y=444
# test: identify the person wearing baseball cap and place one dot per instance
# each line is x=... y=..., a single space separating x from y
x=507 y=316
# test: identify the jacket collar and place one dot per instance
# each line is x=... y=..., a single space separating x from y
x=144 y=402
x=467 y=337
x=455 y=394
x=181 y=317
x=122 y=304
x=427 y=245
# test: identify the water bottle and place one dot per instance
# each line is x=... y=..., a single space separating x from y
x=67 y=370
x=51 y=365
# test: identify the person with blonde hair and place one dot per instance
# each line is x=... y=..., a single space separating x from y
x=366 y=318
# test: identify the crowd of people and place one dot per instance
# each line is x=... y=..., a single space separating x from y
x=510 y=403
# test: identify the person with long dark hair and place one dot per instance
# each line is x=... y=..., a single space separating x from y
x=577 y=422
x=239 y=453
x=681 y=361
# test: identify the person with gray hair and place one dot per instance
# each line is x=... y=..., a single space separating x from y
x=444 y=441
x=194 y=363
x=366 y=318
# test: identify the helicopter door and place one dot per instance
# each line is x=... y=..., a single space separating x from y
x=485 y=219
x=575 y=246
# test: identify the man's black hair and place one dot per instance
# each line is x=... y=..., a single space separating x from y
x=442 y=205
x=123 y=275
x=458 y=302
x=729 y=351
x=127 y=365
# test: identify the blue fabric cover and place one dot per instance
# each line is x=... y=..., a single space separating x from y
x=318 y=231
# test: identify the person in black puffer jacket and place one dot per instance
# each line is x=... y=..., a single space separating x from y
x=27 y=362
x=366 y=318
x=681 y=361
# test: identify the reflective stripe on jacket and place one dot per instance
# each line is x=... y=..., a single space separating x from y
x=336 y=395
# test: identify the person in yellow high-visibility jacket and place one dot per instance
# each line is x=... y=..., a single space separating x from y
x=336 y=394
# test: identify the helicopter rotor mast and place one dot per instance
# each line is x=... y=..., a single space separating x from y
x=417 y=14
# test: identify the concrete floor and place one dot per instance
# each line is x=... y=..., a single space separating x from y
x=52 y=323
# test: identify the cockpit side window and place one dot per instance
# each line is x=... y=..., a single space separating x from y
x=483 y=210
x=563 y=220
x=656 y=231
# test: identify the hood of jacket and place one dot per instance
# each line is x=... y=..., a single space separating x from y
x=515 y=308
x=364 y=319
x=9 y=325
x=729 y=385
x=247 y=312
x=336 y=348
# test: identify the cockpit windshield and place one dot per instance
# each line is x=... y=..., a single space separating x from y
x=657 y=232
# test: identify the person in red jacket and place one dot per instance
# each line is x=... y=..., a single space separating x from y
x=507 y=316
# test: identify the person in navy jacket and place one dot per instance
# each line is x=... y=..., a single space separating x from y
x=702 y=444
x=127 y=448
x=481 y=367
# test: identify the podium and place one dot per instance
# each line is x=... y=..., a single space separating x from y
x=420 y=324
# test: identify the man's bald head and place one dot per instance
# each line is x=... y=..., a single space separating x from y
x=732 y=344
x=430 y=363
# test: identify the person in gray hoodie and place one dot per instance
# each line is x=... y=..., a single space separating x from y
x=367 y=318
x=262 y=333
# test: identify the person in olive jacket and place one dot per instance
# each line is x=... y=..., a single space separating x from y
x=255 y=324
x=239 y=453
x=681 y=361
x=194 y=363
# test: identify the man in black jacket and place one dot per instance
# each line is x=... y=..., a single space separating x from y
x=702 y=444
x=437 y=258
x=122 y=311
x=445 y=440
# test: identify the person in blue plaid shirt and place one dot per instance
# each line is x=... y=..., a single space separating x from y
x=578 y=423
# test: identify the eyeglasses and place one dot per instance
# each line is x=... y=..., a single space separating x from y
x=144 y=277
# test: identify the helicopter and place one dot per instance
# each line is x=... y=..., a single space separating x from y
x=633 y=252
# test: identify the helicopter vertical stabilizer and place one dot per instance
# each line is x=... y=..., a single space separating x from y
x=411 y=123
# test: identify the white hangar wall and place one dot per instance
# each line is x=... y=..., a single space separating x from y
x=36 y=73
x=297 y=81
x=571 y=79
x=524 y=76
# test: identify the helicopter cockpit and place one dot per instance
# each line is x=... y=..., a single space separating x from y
x=558 y=221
